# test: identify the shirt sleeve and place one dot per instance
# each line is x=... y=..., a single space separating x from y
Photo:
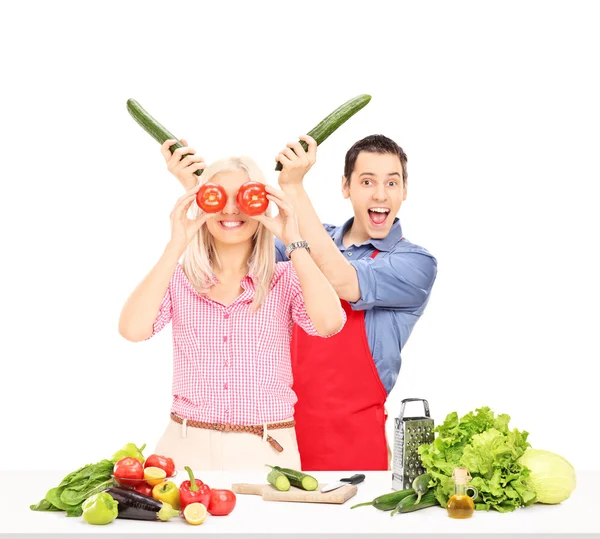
x=298 y=307
x=165 y=313
x=398 y=280
x=280 y=255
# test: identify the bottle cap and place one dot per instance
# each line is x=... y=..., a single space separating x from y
x=461 y=475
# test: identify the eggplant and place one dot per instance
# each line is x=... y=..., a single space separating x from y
x=136 y=506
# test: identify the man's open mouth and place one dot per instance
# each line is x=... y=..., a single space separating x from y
x=378 y=216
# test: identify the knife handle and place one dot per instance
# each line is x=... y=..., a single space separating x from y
x=355 y=479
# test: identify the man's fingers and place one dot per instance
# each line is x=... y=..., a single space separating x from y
x=184 y=150
x=197 y=166
x=289 y=153
x=192 y=158
x=312 y=147
x=283 y=160
x=164 y=149
x=298 y=150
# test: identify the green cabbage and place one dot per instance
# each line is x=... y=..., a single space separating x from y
x=491 y=452
x=551 y=476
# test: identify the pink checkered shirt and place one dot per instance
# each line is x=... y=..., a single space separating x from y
x=231 y=365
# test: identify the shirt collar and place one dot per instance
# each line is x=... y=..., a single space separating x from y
x=383 y=244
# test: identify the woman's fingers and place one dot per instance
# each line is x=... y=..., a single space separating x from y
x=285 y=207
x=184 y=202
x=270 y=189
x=202 y=219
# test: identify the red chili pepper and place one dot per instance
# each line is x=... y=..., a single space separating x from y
x=193 y=490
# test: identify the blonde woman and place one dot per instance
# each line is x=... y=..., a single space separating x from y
x=232 y=308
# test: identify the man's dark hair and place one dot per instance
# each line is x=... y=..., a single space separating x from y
x=374 y=144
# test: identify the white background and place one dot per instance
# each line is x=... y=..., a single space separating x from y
x=496 y=105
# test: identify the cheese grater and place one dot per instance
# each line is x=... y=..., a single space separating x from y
x=409 y=434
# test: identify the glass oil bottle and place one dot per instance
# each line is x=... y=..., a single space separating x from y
x=461 y=505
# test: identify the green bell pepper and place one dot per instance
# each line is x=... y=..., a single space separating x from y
x=129 y=450
x=100 y=509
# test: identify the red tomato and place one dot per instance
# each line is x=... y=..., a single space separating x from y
x=222 y=502
x=128 y=470
x=143 y=488
x=211 y=197
x=161 y=462
x=252 y=198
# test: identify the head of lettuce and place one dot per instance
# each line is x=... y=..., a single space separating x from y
x=484 y=444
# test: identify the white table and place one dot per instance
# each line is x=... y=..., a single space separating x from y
x=579 y=516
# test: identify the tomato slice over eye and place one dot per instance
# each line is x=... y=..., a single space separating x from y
x=252 y=198
x=211 y=197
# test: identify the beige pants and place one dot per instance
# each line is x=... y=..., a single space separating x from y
x=204 y=449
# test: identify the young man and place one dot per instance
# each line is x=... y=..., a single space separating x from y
x=384 y=282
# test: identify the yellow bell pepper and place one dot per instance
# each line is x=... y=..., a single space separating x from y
x=168 y=492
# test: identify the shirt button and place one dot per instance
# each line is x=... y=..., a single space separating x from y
x=349 y=253
x=226 y=315
x=225 y=338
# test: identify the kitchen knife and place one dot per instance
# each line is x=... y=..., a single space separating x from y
x=354 y=480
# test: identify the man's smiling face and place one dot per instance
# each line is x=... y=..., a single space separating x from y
x=376 y=191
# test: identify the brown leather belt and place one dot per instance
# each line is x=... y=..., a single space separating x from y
x=227 y=427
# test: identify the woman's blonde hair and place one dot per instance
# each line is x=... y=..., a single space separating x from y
x=201 y=256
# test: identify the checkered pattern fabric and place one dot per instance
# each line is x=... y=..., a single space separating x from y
x=232 y=365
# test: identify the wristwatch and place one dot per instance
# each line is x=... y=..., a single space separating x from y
x=296 y=245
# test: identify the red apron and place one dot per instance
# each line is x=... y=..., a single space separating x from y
x=340 y=415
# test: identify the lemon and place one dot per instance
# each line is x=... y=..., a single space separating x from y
x=195 y=513
x=154 y=475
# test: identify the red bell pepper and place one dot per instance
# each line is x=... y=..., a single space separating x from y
x=193 y=490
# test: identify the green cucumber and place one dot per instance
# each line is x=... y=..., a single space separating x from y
x=278 y=480
x=387 y=502
x=334 y=120
x=407 y=505
x=298 y=479
x=156 y=130
x=421 y=485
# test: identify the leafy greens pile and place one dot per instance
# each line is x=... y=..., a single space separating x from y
x=76 y=487
x=483 y=444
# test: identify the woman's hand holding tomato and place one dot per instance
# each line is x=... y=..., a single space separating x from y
x=285 y=224
x=183 y=229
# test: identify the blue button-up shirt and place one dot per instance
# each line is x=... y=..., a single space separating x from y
x=394 y=290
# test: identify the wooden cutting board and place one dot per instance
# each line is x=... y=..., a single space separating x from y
x=270 y=493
